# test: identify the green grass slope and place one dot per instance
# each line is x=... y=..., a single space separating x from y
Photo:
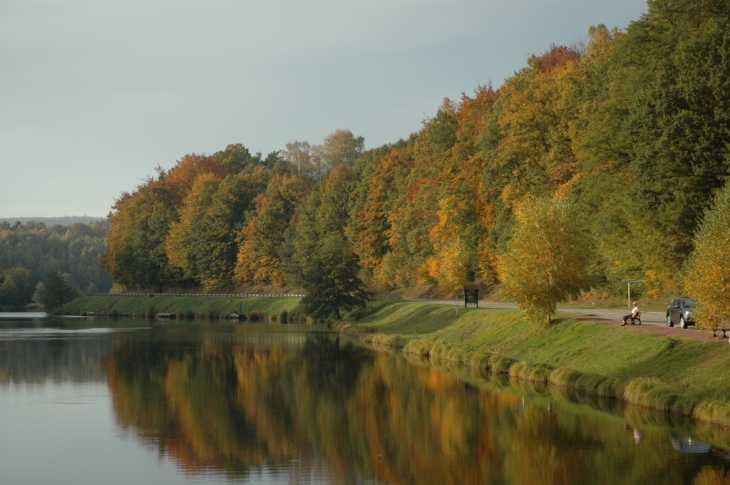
x=280 y=309
x=678 y=375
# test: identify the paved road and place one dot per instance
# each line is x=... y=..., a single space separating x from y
x=647 y=318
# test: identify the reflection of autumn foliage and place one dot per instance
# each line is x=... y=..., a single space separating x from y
x=234 y=406
x=712 y=476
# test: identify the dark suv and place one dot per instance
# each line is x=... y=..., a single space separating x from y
x=680 y=311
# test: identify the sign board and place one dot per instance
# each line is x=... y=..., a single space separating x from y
x=471 y=295
x=630 y=280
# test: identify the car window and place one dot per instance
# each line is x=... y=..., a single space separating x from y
x=688 y=302
x=676 y=303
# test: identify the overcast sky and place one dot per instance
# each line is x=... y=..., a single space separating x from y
x=95 y=93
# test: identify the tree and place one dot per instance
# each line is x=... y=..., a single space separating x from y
x=39 y=294
x=547 y=259
x=339 y=147
x=298 y=153
x=331 y=280
x=682 y=124
x=236 y=158
x=58 y=292
x=708 y=268
x=258 y=254
x=16 y=287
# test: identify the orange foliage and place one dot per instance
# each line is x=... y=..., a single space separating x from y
x=190 y=167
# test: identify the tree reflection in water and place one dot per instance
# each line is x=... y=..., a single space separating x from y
x=237 y=407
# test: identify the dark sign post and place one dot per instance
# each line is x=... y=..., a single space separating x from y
x=471 y=295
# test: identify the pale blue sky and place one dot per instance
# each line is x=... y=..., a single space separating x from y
x=95 y=93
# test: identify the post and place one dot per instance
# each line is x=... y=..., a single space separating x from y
x=629 y=281
x=628 y=299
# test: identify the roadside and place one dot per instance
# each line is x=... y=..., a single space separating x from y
x=653 y=322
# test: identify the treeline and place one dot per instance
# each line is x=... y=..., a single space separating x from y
x=631 y=130
x=30 y=252
x=52 y=221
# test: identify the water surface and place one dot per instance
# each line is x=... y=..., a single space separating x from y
x=135 y=401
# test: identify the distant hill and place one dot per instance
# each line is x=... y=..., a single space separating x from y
x=52 y=221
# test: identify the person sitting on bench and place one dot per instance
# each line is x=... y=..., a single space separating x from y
x=634 y=314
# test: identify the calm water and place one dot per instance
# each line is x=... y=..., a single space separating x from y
x=133 y=401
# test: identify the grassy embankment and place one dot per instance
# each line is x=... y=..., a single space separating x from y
x=677 y=375
x=191 y=307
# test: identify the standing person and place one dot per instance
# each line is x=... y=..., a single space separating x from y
x=634 y=313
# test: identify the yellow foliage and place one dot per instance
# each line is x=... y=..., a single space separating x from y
x=708 y=268
x=547 y=258
x=712 y=476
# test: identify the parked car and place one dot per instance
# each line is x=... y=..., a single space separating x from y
x=680 y=311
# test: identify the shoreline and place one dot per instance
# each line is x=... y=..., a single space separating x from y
x=663 y=371
x=673 y=373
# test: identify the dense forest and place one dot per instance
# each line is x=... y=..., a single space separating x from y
x=30 y=252
x=52 y=221
x=631 y=130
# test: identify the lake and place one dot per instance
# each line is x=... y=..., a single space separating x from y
x=89 y=401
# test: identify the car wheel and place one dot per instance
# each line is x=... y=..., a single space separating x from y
x=682 y=322
x=669 y=321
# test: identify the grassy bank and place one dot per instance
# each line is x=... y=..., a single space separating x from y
x=269 y=309
x=676 y=375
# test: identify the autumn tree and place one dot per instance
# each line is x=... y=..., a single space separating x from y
x=226 y=216
x=136 y=255
x=547 y=259
x=380 y=176
x=260 y=239
x=708 y=268
x=339 y=147
x=186 y=240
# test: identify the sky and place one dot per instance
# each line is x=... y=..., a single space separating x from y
x=94 y=94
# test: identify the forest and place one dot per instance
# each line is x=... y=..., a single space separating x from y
x=628 y=131
x=30 y=252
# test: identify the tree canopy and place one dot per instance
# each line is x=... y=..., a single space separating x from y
x=631 y=131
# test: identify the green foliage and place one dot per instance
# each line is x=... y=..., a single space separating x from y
x=16 y=287
x=73 y=250
x=331 y=280
x=681 y=124
x=57 y=292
